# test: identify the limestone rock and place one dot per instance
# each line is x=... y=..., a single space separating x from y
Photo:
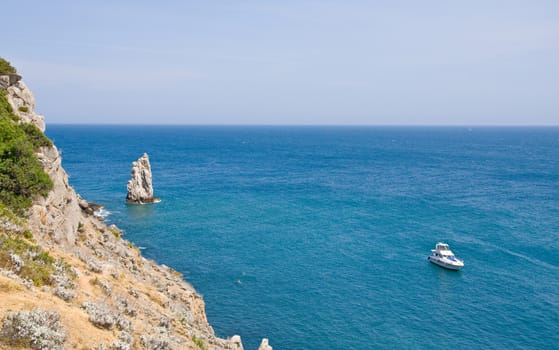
x=57 y=215
x=140 y=187
x=4 y=81
x=23 y=103
x=236 y=342
x=7 y=80
x=264 y=345
x=89 y=208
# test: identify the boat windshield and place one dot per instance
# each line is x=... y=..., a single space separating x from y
x=442 y=247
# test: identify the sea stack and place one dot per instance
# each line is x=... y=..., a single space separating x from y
x=140 y=188
x=264 y=345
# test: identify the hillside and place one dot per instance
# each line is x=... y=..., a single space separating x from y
x=67 y=280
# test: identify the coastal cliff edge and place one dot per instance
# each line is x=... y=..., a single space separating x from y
x=96 y=291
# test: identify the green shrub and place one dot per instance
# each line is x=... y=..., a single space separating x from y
x=21 y=174
x=199 y=342
x=5 y=106
x=28 y=235
x=115 y=231
x=38 y=265
x=6 y=214
x=6 y=67
x=35 y=136
x=37 y=272
x=23 y=109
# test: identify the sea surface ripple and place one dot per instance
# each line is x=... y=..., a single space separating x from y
x=317 y=237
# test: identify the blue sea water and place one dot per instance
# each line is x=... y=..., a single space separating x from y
x=317 y=237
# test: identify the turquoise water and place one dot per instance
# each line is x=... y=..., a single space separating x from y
x=317 y=237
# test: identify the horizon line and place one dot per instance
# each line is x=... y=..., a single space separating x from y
x=304 y=125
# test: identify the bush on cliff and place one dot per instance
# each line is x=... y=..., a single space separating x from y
x=21 y=175
x=28 y=261
x=37 y=329
x=6 y=67
x=35 y=136
x=5 y=107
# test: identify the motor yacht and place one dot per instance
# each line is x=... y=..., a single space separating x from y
x=444 y=257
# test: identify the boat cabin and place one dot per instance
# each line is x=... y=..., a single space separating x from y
x=443 y=250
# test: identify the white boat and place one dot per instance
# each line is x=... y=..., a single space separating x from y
x=444 y=257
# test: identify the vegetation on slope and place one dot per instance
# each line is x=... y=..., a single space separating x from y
x=21 y=175
x=21 y=178
x=6 y=67
x=28 y=261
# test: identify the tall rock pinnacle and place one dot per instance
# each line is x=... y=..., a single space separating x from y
x=140 y=188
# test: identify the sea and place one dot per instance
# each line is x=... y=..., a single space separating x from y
x=317 y=237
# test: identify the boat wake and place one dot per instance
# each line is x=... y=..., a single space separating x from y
x=529 y=259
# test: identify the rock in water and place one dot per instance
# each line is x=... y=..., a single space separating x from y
x=140 y=188
x=264 y=345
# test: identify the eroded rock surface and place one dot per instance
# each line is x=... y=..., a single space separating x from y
x=140 y=187
x=22 y=101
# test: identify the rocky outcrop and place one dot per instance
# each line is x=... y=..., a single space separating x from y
x=140 y=187
x=57 y=215
x=22 y=100
x=264 y=345
x=104 y=293
x=6 y=80
x=236 y=342
x=89 y=207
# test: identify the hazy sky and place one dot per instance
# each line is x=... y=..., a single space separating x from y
x=288 y=62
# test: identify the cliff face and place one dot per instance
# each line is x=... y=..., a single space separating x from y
x=103 y=294
x=22 y=101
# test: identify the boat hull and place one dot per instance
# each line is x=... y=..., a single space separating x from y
x=445 y=265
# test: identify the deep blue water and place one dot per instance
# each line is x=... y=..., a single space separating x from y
x=317 y=237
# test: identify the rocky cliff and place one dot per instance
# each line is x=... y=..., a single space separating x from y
x=22 y=100
x=96 y=291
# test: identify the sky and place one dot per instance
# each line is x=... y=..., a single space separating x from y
x=474 y=62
